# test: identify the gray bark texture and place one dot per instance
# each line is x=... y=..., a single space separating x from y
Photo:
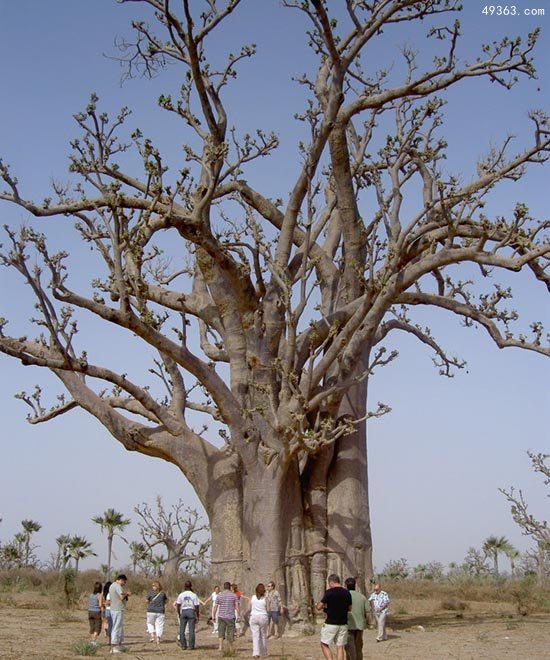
x=268 y=312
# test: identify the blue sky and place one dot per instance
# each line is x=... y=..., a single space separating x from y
x=437 y=460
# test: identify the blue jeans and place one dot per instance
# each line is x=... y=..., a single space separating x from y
x=117 y=631
x=187 y=617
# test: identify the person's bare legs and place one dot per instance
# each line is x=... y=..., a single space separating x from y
x=340 y=653
x=325 y=648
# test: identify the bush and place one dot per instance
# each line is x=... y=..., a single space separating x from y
x=454 y=605
x=83 y=647
x=396 y=569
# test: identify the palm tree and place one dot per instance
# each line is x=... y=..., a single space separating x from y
x=19 y=542
x=111 y=521
x=29 y=528
x=138 y=552
x=493 y=546
x=79 y=548
x=63 y=541
x=513 y=555
x=157 y=564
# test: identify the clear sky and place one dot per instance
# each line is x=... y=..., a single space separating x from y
x=437 y=461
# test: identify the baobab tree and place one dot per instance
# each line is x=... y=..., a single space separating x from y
x=276 y=307
x=538 y=530
x=180 y=530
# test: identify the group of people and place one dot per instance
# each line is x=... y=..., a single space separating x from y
x=106 y=611
x=230 y=616
x=346 y=615
x=106 y=605
x=346 y=618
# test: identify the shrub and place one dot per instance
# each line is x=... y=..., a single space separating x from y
x=454 y=605
x=396 y=569
x=83 y=647
x=11 y=582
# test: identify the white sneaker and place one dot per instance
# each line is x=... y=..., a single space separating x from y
x=116 y=650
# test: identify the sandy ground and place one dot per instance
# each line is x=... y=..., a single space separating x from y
x=30 y=627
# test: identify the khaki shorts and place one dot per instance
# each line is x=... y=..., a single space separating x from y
x=332 y=634
x=226 y=629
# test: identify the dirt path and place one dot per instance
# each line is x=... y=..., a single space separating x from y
x=30 y=630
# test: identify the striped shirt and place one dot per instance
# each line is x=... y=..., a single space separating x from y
x=226 y=602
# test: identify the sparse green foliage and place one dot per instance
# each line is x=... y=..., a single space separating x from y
x=62 y=556
x=475 y=563
x=396 y=569
x=10 y=556
x=433 y=570
x=84 y=647
x=29 y=528
x=139 y=554
x=495 y=545
x=69 y=587
x=79 y=548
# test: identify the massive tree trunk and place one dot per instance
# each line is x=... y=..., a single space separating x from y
x=272 y=508
x=294 y=522
x=223 y=501
x=348 y=514
x=278 y=522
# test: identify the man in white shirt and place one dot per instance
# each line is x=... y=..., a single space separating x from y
x=187 y=606
x=380 y=602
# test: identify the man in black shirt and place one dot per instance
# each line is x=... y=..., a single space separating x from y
x=336 y=603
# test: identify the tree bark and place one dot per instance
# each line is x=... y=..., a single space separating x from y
x=223 y=501
x=348 y=514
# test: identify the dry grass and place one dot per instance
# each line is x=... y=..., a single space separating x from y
x=521 y=596
x=521 y=593
x=471 y=619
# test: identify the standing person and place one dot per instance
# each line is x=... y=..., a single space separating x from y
x=259 y=622
x=227 y=610
x=213 y=598
x=357 y=621
x=380 y=602
x=336 y=602
x=187 y=606
x=156 y=604
x=238 y=622
x=95 y=607
x=274 y=609
x=119 y=598
x=107 y=618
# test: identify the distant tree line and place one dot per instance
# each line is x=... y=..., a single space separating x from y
x=477 y=563
x=178 y=530
x=484 y=561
